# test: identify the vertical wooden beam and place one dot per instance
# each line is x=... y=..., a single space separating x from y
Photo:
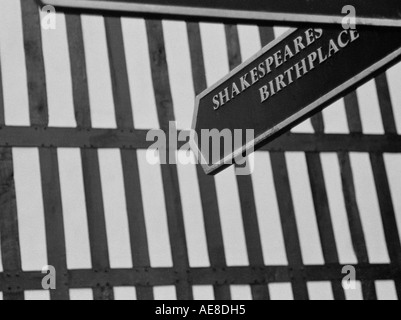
x=118 y=71
x=357 y=233
x=233 y=46
x=54 y=223
x=169 y=172
x=318 y=123
x=34 y=63
x=381 y=179
x=90 y=158
x=289 y=225
x=79 y=77
x=10 y=246
x=252 y=234
x=207 y=185
x=323 y=216
x=96 y=220
x=353 y=113
x=286 y=207
x=213 y=228
x=38 y=107
x=385 y=103
x=321 y=203
x=387 y=214
x=245 y=187
x=266 y=35
x=354 y=219
x=124 y=116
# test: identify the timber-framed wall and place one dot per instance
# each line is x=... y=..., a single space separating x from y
x=102 y=278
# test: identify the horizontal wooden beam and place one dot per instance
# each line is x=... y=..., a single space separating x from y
x=369 y=12
x=17 y=281
x=42 y=137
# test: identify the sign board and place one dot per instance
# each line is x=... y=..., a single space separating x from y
x=288 y=81
x=368 y=12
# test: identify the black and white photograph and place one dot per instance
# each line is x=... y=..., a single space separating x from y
x=200 y=154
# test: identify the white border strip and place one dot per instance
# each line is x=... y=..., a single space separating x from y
x=216 y=13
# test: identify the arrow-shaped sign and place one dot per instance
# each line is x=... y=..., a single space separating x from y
x=368 y=12
x=289 y=80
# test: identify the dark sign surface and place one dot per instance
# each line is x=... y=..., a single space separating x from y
x=289 y=80
x=372 y=12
